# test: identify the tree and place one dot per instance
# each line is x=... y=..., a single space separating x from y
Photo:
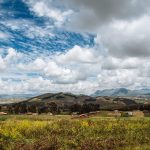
x=52 y=107
x=76 y=108
x=16 y=109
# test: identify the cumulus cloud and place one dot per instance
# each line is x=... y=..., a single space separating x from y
x=64 y=68
x=92 y=14
x=2 y=64
x=118 y=58
x=127 y=39
x=118 y=78
x=30 y=85
x=53 y=75
x=78 y=54
x=44 y=8
x=77 y=77
x=112 y=63
x=12 y=56
x=122 y=25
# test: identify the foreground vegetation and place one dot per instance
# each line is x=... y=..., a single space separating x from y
x=45 y=132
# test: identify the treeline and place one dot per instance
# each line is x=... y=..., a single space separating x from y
x=132 y=107
x=141 y=107
x=49 y=108
x=52 y=107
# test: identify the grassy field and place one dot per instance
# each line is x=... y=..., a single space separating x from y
x=45 y=132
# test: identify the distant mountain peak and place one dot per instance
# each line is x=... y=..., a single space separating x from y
x=122 y=92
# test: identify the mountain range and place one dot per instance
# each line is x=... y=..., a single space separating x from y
x=67 y=100
x=123 y=92
x=118 y=92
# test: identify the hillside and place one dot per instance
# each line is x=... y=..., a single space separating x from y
x=68 y=102
x=69 y=99
x=59 y=98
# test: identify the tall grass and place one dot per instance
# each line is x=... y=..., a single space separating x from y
x=57 y=133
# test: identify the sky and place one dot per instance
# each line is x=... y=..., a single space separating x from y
x=77 y=46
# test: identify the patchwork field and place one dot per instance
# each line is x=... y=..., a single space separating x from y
x=43 y=132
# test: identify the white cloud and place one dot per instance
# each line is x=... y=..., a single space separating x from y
x=28 y=28
x=121 y=25
x=35 y=31
x=4 y=36
x=52 y=69
x=12 y=56
x=112 y=63
x=10 y=61
x=2 y=64
x=118 y=78
x=120 y=57
x=45 y=8
x=36 y=65
x=127 y=39
x=91 y=15
x=84 y=75
x=30 y=85
x=79 y=55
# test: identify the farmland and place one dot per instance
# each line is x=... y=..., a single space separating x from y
x=60 y=132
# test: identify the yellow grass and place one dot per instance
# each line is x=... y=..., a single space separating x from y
x=45 y=132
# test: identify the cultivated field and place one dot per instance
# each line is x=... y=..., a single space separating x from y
x=43 y=132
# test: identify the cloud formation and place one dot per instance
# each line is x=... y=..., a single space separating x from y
x=96 y=13
x=74 y=46
x=72 y=75
x=127 y=39
x=121 y=25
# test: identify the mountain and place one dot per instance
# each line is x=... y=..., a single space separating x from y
x=111 y=92
x=67 y=100
x=122 y=92
x=59 y=98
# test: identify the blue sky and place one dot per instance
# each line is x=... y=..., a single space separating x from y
x=53 y=46
x=29 y=32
